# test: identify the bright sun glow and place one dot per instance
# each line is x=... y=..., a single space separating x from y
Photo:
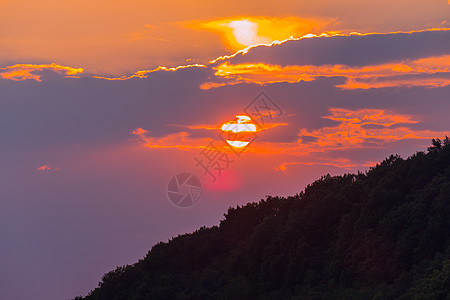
x=246 y=32
x=238 y=33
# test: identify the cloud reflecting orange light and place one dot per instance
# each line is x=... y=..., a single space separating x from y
x=338 y=163
x=365 y=77
x=364 y=128
x=357 y=77
x=180 y=140
x=355 y=129
x=145 y=73
x=183 y=140
x=20 y=72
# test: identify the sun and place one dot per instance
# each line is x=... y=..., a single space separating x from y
x=240 y=131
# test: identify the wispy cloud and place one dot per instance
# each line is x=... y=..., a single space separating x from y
x=147 y=32
x=338 y=163
x=145 y=73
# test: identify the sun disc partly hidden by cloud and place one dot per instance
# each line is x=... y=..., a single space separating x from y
x=240 y=32
x=241 y=129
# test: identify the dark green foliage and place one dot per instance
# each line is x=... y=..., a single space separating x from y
x=384 y=234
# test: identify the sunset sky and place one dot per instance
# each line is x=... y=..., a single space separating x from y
x=103 y=102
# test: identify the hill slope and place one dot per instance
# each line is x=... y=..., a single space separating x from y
x=384 y=234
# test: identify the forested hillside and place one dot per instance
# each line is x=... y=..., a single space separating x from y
x=383 y=234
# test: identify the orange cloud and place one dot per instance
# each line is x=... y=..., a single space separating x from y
x=20 y=72
x=219 y=126
x=209 y=85
x=262 y=73
x=338 y=163
x=354 y=129
x=369 y=117
x=353 y=83
x=46 y=167
x=364 y=128
x=183 y=140
x=179 y=140
x=357 y=77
